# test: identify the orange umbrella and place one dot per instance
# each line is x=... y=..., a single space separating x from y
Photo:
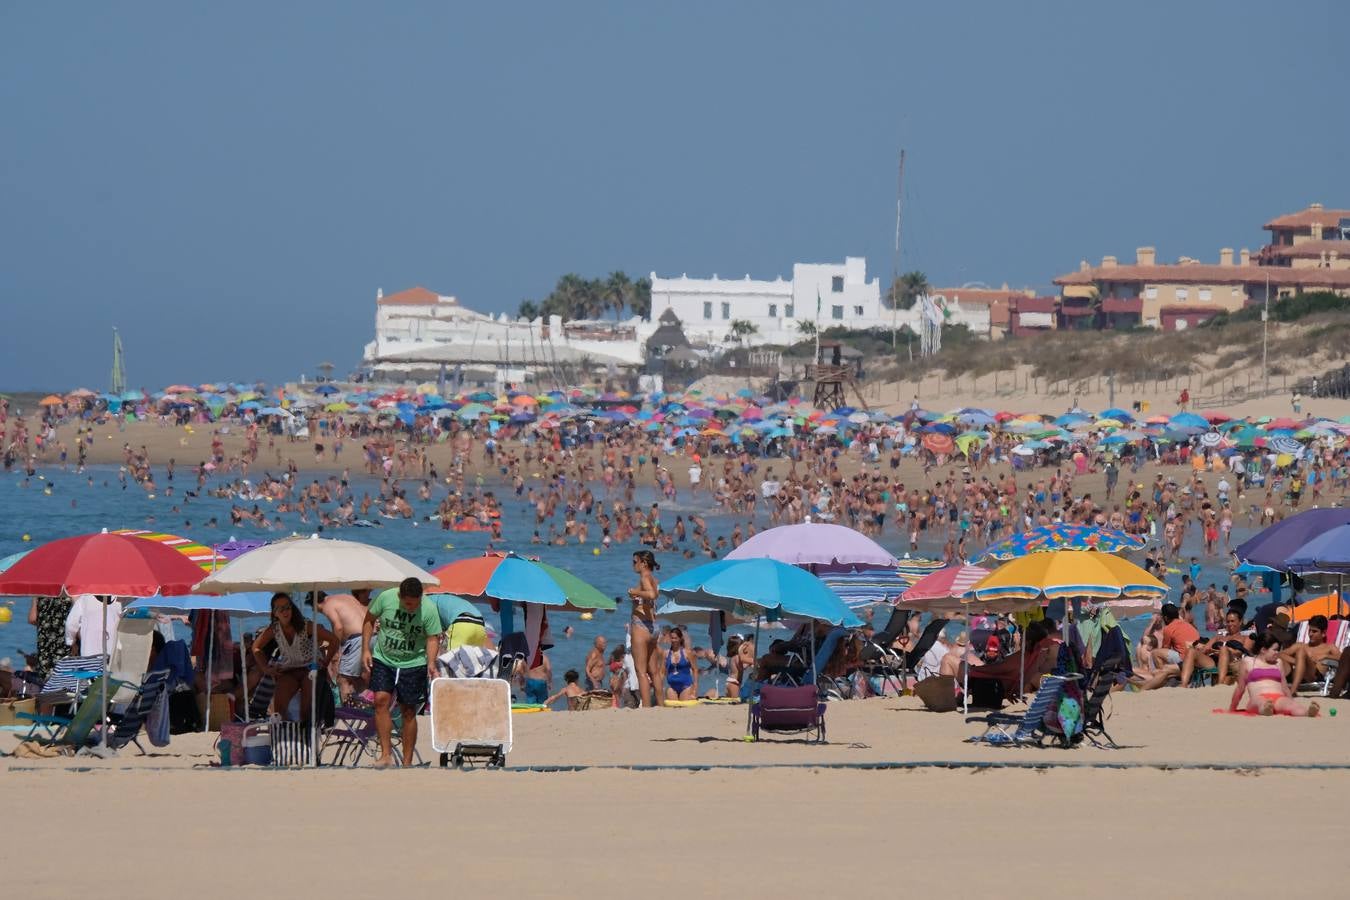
x=51 y=400
x=1329 y=605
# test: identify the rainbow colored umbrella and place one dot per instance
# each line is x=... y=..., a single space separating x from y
x=201 y=554
x=1047 y=538
x=496 y=577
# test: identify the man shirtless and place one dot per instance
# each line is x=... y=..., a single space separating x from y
x=1310 y=659
x=596 y=665
x=347 y=614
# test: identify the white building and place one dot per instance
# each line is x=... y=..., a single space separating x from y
x=417 y=331
x=828 y=294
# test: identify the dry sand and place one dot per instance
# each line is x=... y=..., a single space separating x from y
x=1067 y=825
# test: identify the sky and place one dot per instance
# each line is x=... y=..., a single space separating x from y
x=229 y=184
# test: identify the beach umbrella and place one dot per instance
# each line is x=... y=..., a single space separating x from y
x=246 y=605
x=1275 y=545
x=1188 y=420
x=1283 y=444
x=1071 y=574
x=938 y=443
x=944 y=589
x=1327 y=605
x=1046 y=538
x=51 y=400
x=113 y=565
x=1327 y=553
x=1211 y=439
x=1117 y=414
x=756 y=586
x=312 y=564
x=497 y=577
x=865 y=586
x=200 y=554
x=815 y=543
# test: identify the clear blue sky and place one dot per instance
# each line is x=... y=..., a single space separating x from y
x=229 y=183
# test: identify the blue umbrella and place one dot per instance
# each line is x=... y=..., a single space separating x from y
x=1189 y=420
x=751 y=586
x=327 y=390
x=1329 y=552
x=1117 y=414
x=250 y=603
x=1277 y=544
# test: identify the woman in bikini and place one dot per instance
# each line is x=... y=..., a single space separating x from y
x=646 y=655
x=740 y=663
x=681 y=673
x=1262 y=682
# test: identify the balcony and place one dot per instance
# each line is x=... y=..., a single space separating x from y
x=1123 y=305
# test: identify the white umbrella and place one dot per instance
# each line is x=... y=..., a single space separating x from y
x=313 y=564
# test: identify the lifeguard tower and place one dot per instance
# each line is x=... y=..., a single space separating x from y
x=834 y=376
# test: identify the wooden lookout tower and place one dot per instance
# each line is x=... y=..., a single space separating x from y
x=834 y=375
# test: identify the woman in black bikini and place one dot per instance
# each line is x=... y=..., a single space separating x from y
x=642 y=629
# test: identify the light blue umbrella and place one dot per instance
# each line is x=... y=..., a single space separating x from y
x=750 y=587
x=243 y=605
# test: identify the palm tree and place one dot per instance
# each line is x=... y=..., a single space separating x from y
x=640 y=302
x=807 y=328
x=741 y=330
x=913 y=285
x=618 y=292
x=528 y=310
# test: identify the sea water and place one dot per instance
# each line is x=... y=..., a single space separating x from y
x=55 y=504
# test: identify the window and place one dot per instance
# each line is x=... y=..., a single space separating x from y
x=857 y=310
x=836 y=312
x=1183 y=293
x=1205 y=294
x=787 y=310
x=707 y=309
x=837 y=284
x=1151 y=293
x=726 y=310
x=773 y=310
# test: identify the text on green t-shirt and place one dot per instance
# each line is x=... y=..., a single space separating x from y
x=402 y=641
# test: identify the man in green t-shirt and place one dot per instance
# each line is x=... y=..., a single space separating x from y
x=400 y=661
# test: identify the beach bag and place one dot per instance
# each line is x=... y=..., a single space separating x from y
x=290 y=744
x=185 y=716
x=938 y=693
x=1066 y=718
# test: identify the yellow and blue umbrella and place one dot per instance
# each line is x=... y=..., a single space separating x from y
x=1067 y=574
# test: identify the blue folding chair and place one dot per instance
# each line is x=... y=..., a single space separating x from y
x=1027 y=729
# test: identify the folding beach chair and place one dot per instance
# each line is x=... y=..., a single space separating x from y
x=1338 y=636
x=1028 y=729
x=1099 y=684
x=66 y=682
x=69 y=731
x=788 y=710
x=127 y=729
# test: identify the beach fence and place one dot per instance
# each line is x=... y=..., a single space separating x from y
x=1204 y=392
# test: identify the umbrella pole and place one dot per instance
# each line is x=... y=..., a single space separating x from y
x=749 y=711
x=210 y=666
x=314 y=679
x=243 y=668
x=103 y=729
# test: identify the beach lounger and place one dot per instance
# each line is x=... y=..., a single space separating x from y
x=1027 y=729
x=127 y=729
x=788 y=710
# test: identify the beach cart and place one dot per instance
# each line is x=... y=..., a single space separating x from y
x=471 y=720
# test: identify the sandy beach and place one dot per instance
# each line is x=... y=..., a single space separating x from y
x=768 y=817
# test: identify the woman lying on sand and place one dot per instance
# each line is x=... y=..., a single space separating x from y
x=1262 y=681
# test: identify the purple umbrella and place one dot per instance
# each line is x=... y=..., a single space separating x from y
x=815 y=544
x=1280 y=541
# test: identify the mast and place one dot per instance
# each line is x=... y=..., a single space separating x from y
x=895 y=259
x=119 y=367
